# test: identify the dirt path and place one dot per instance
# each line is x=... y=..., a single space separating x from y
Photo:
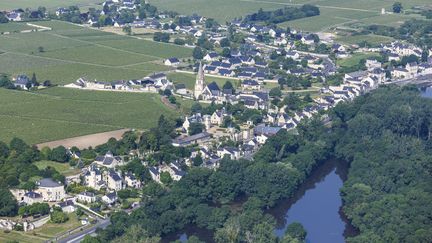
x=85 y=141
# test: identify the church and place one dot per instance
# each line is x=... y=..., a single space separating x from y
x=203 y=91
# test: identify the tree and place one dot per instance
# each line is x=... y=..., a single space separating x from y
x=226 y=52
x=165 y=178
x=196 y=107
x=34 y=80
x=59 y=154
x=172 y=99
x=8 y=204
x=41 y=49
x=228 y=85
x=197 y=161
x=59 y=217
x=127 y=29
x=179 y=42
x=195 y=128
x=275 y=92
x=296 y=230
x=198 y=53
x=397 y=7
x=225 y=42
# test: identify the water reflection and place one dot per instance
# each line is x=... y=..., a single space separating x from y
x=317 y=206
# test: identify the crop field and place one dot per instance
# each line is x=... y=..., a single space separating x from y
x=49 y=4
x=69 y=52
x=59 y=113
x=372 y=39
x=334 y=13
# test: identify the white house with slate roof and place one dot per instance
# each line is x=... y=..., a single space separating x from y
x=32 y=197
x=93 y=177
x=109 y=160
x=173 y=61
x=50 y=190
x=113 y=180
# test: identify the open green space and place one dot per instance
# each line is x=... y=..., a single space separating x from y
x=356 y=39
x=59 y=113
x=12 y=27
x=63 y=168
x=334 y=13
x=69 y=52
x=49 y=4
x=355 y=59
x=42 y=234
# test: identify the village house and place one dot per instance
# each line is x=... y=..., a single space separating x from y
x=189 y=140
x=250 y=84
x=50 y=190
x=173 y=61
x=32 y=197
x=110 y=198
x=132 y=181
x=23 y=82
x=86 y=197
x=67 y=206
x=93 y=177
x=108 y=160
x=113 y=180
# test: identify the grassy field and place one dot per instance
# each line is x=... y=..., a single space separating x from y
x=42 y=234
x=59 y=113
x=189 y=80
x=71 y=52
x=333 y=12
x=355 y=59
x=63 y=168
x=49 y=4
x=356 y=39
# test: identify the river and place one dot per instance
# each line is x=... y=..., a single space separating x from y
x=426 y=92
x=316 y=205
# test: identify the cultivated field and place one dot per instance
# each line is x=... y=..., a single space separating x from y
x=334 y=13
x=49 y=4
x=60 y=113
x=70 y=52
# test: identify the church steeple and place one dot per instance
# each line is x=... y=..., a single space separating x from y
x=200 y=82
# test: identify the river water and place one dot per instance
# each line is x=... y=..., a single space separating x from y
x=426 y=92
x=316 y=205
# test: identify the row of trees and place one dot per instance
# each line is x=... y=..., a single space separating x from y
x=283 y=14
x=386 y=137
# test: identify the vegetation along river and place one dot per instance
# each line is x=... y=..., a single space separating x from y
x=316 y=205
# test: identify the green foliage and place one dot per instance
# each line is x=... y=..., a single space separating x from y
x=34 y=209
x=161 y=37
x=283 y=14
x=397 y=7
x=59 y=217
x=165 y=178
x=195 y=128
x=59 y=154
x=198 y=53
x=296 y=230
x=384 y=136
x=8 y=204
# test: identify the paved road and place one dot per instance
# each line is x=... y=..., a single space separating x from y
x=78 y=237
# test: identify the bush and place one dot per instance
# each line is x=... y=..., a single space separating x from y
x=59 y=217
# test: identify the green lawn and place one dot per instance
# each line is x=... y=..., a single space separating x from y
x=42 y=234
x=355 y=59
x=70 y=52
x=59 y=113
x=333 y=12
x=372 y=39
x=13 y=27
x=63 y=168
x=50 y=4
